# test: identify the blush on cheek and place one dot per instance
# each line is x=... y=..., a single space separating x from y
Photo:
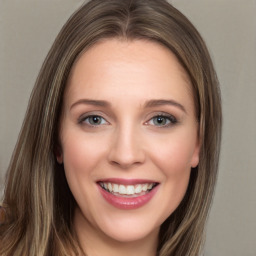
x=81 y=160
x=175 y=160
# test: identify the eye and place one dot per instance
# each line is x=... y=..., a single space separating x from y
x=93 y=120
x=162 y=120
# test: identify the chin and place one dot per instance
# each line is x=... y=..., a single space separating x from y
x=129 y=233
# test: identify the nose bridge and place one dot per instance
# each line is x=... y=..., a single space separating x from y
x=126 y=149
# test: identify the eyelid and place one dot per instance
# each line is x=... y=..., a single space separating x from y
x=82 y=118
x=173 y=120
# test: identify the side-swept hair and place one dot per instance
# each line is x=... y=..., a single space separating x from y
x=38 y=204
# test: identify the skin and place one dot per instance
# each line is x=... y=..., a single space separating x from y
x=127 y=142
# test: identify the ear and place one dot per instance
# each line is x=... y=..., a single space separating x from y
x=196 y=154
x=58 y=154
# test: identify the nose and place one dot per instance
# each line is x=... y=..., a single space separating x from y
x=126 y=148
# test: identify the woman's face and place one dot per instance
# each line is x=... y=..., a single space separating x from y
x=128 y=138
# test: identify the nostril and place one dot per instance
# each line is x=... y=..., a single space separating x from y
x=126 y=158
x=125 y=164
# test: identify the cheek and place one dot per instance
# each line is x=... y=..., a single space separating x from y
x=174 y=163
x=81 y=156
x=81 y=152
x=81 y=159
x=174 y=156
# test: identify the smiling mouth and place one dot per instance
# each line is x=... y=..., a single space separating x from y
x=123 y=190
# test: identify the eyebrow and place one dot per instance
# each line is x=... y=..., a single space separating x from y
x=148 y=104
x=160 y=102
x=100 y=103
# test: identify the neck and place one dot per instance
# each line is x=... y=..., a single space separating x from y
x=96 y=243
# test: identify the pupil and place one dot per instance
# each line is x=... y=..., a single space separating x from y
x=160 y=120
x=95 y=119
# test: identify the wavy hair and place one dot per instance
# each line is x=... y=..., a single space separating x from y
x=38 y=204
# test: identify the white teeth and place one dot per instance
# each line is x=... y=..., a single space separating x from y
x=122 y=190
x=150 y=186
x=109 y=187
x=145 y=187
x=115 y=188
x=130 y=190
x=138 y=189
x=127 y=190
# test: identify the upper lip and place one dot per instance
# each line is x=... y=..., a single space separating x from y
x=127 y=181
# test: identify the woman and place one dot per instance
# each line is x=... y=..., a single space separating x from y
x=119 y=149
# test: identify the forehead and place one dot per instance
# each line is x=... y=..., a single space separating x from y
x=125 y=67
x=109 y=50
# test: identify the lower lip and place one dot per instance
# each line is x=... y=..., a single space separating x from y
x=127 y=203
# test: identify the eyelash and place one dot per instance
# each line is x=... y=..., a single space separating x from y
x=168 y=120
x=83 y=119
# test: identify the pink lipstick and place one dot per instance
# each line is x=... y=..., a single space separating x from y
x=127 y=193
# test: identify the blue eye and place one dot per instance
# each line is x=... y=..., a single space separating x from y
x=162 y=120
x=94 y=120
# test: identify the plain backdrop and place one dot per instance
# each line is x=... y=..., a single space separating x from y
x=27 y=30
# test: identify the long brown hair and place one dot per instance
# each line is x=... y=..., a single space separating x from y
x=37 y=201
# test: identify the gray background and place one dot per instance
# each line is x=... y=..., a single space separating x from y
x=27 y=30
